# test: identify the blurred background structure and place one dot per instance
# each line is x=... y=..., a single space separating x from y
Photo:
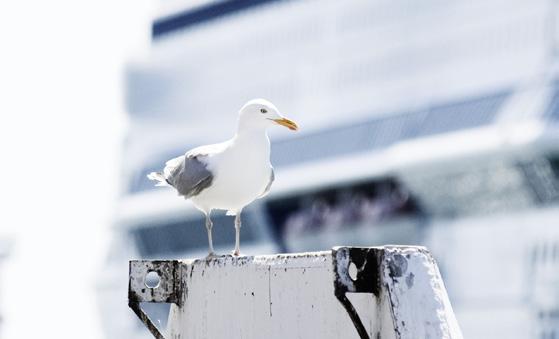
x=432 y=123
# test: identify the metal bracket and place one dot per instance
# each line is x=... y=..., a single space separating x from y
x=169 y=288
x=366 y=279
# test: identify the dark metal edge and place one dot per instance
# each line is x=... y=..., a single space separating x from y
x=144 y=318
x=176 y=296
x=368 y=263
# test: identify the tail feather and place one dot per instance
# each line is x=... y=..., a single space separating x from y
x=156 y=176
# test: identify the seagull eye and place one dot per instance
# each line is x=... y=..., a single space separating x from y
x=263 y=110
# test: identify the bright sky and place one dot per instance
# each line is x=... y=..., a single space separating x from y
x=61 y=125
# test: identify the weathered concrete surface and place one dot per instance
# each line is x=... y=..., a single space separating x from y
x=293 y=296
x=416 y=294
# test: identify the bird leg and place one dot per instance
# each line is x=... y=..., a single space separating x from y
x=237 y=250
x=209 y=226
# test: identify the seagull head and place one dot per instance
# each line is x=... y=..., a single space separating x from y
x=260 y=114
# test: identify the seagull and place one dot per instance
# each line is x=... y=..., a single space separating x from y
x=228 y=175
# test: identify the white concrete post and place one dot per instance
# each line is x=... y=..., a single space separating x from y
x=379 y=292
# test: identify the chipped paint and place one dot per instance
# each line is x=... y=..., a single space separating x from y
x=299 y=295
x=418 y=300
x=169 y=289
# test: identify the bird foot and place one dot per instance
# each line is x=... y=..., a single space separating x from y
x=211 y=255
x=236 y=253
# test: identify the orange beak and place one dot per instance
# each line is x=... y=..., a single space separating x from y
x=287 y=123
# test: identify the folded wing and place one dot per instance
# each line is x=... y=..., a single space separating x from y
x=188 y=174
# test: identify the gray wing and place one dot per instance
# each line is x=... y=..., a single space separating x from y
x=267 y=189
x=188 y=174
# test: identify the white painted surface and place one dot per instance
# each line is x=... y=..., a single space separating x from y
x=419 y=302
x=292 y=296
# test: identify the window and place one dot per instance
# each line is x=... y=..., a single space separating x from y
x=359 y=205
x=382 y=132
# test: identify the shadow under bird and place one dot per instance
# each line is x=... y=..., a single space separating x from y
x=229 y=175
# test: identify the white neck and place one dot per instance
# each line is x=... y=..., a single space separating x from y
x=256 y=138
x=251 y=134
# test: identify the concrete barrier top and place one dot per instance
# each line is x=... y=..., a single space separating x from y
x=361 y=292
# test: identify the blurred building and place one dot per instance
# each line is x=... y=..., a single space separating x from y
x=432 y=123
